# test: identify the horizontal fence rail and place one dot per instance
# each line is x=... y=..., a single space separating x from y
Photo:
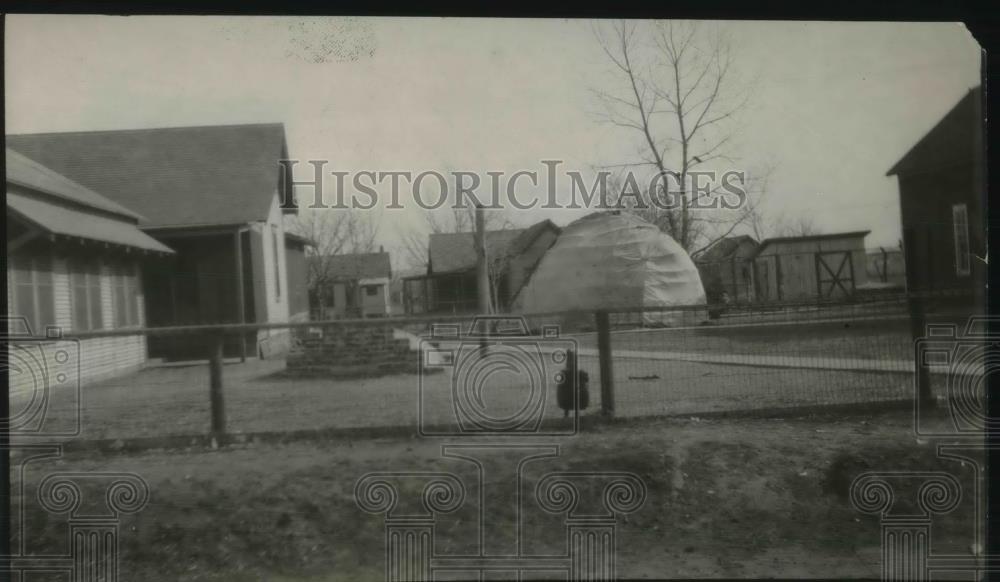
x=900 y=301
x=400 y=372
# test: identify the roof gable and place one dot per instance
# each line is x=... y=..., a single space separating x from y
x=456 y=251
x=54 y=204
x=173 y=177
x=810 y=238
x=28 y=173
x=953 y=140
x=354 y=265
x=528 y=236
x=729 y=247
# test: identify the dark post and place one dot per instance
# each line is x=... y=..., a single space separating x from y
x=5 y=505
x=604 y=359
x=215 y=386
x=918 y=316
x=240 y=307
x=885 y=265
x=482 y=273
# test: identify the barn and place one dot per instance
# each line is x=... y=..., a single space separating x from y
x=822 y=266
x=942 y=195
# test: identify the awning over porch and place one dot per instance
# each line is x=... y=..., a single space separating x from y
x=52 y=203
x=54 y=218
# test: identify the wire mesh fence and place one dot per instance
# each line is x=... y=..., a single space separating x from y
x=431 y=372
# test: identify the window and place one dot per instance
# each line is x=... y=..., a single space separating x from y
x=31 y=287
x=277 y=271
x=371 y=290
x=85 y=281
x=126 y=296
x=960 y=223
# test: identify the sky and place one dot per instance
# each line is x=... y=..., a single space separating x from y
x=834 y=105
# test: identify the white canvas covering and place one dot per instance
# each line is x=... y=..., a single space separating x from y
x=612 y=260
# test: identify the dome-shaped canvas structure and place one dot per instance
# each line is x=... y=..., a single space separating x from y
x=612 y=260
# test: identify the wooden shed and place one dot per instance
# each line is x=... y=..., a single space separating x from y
x=942 y=202
x=823 y=266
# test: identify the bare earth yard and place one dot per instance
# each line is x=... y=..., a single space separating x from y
x=726 y=498
x=258 y=398
x=174 y=400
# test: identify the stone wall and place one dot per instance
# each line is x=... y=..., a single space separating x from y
x=355 y=351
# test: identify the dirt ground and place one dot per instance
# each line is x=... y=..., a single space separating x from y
x=884 y=338
x=164 y=401
x=725 y=498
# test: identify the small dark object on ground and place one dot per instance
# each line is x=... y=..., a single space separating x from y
x=650 y=377
x=573 y=377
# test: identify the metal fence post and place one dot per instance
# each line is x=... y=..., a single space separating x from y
x=215 y=385
x=604 y=359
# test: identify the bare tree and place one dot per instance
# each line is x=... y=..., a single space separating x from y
x=497 y=263
x=802 y=225
x=332 y=233
x=677 y=91
x=414 y=240
x=413 y=248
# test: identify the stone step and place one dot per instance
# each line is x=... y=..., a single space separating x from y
x=395 y=345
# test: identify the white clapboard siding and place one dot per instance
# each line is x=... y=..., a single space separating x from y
x=86 y=361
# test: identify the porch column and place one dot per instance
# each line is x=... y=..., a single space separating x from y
x=241 y=308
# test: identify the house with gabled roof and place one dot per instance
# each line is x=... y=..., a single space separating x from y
x=74 y=263
x=214 y=195
x=450 y=284
x=350 y=285
x=942 y=203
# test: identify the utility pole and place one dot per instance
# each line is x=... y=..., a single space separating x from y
x=482 y=275
x=482 y=267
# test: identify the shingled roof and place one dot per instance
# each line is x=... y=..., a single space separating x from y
x=456 y=251
x=173 y=177
x=354 y=266
x=809 y=238
x=55 y=204
x=726 y=248
x=34 y=176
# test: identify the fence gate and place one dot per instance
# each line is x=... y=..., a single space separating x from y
x=835 y=274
